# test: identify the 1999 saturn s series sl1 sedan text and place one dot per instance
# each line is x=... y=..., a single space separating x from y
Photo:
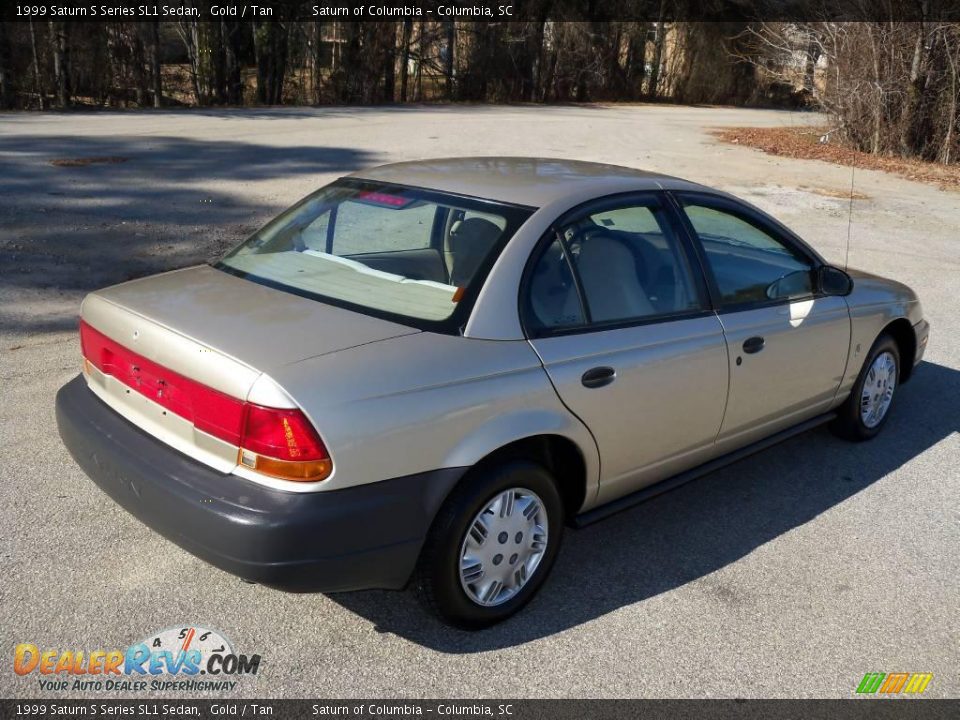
x=426 y=370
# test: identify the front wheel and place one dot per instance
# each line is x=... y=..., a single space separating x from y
x=492 y=544
x=866 y=410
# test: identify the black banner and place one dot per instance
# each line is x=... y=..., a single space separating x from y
x=899 y=709
x=481 y=10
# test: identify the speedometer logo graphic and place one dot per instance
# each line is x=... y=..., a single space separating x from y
x=177 y=640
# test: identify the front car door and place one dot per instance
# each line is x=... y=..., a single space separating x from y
x=788 y=343
x=617 y=310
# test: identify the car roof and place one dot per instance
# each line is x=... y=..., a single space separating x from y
x=530 y=181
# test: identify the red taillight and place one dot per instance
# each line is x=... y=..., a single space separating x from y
x=283 y=444
x=281 y=434
x=280 y=442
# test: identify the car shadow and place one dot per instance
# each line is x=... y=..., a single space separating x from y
x=695 y=530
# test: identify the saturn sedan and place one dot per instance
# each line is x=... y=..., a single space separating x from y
x=421 y=373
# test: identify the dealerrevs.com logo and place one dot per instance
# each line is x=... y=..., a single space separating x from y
x=192 y=659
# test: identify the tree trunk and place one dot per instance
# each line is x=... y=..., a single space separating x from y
x=139 y=63
x=6 y=79
x=615 y=78
x=450 y=60
x=316 y=60
x=947 y=146
x=912 y=106
x=657 y=56
x=216 y=38
x=878 y=105
x=548 y=91
x=188 y=35
x=155 y=64
x=531 y=92
x=636 y=61
x=204 y=46
x=405 y=58
x=37 y=73
x=270 y=48
x=232 y=78
x=390 y=63
x=810 y=68
x=61 y=62
x=420 y=55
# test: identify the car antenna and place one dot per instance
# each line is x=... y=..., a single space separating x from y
x=846 y=254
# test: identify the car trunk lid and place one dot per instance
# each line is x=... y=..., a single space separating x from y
x=150 y=342
x=259 y=326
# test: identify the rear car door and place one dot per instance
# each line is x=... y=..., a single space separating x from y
x=618 y=313
x=788 y=343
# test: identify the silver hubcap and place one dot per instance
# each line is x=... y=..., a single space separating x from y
x=503 y=547
x=878 y=389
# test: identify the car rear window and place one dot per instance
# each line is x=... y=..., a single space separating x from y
x=405 y=253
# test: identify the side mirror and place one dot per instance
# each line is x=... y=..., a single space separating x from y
x=793 y=284
x=834 y=281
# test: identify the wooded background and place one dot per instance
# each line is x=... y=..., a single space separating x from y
x=891 y=87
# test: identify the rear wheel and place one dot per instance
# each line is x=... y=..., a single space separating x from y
x=492 y=544
x=865 y=412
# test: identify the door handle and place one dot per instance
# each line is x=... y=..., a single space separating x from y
x=598 y=377
x=753 y=345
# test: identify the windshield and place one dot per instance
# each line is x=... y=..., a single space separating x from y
x=404 y=253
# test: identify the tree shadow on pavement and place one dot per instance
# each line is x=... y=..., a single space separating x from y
x=158 y=204
x=695 y=530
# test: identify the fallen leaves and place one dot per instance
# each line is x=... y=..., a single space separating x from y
x=83 y=162
x=804 y=143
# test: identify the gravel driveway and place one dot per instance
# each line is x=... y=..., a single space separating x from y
x=791 y=573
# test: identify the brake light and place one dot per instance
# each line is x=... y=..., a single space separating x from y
x=279 y=442
x=282 y=443
x=380 y=199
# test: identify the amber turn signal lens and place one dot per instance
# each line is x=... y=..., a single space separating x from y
x=297 y=471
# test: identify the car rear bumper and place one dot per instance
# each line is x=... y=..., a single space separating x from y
x=362 y=537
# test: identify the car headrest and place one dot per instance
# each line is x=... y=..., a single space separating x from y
x=472 y=232
x=470 y=241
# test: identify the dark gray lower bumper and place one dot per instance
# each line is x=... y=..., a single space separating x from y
x=367 y=536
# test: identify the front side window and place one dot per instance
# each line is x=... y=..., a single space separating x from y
x=618 y=264
x=748 y=263
x=392 y=250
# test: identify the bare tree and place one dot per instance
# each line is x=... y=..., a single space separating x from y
x=891 y=86
x=37 y=71
x=405 y=40
x=155 y=66
x=658 y=40
x=61 y=62
x=6 y=72
x=232 y=87
x=270 y=44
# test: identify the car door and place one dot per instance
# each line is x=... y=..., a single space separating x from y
x=614 y=305
x=787 y=342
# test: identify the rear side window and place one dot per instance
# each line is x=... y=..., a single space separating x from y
x=749 y=264
x=553 y=298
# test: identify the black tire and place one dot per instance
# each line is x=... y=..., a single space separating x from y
x=437 y=577
x=849 y=424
